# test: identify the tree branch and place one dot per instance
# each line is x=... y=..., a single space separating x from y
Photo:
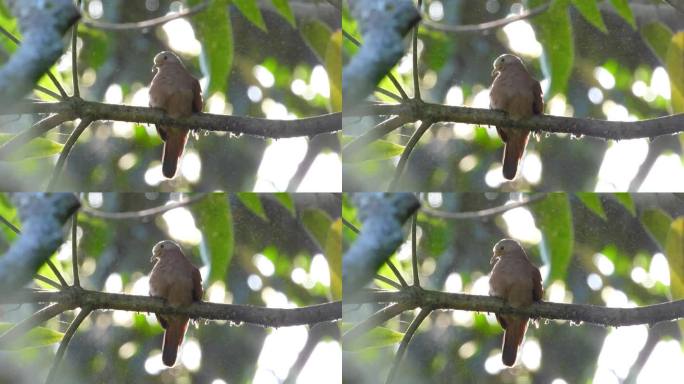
x=414 y=297
x=253 y=126
x=616 y=130
x=405 y=342
x=373 y=321
x=141 y=214
x=403 y=159
x=484 y=213
x=42 y=26
x=266 y=317
x=74 y=249
x=145 y=23
x=64 y=344
x=488 y=25
x=66 y=150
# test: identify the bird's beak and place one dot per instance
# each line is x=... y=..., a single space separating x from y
x=154 y=67
x=494 y=259
x=155 y=254
x=495 y=72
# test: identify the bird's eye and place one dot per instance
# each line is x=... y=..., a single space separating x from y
x=165 y=57
x=501 y=247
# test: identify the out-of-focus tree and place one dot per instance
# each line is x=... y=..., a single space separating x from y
x=268 y=251
x=607 y=250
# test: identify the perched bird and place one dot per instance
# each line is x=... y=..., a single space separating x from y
x=518 y=94
x=518 y=282
x=178 y=93
x=176 y=280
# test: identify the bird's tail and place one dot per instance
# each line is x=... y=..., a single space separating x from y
x=173 y=150
x=513 y=152
x=173 y=337
x=513 y=337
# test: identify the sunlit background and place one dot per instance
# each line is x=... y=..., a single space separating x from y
x=610 y=267
x=276 y=264
x=282 y=80
x=618 y=82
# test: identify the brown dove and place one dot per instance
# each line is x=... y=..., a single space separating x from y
x=519 y=95
x=176 y=280
x=178 y=93
x=518 y=282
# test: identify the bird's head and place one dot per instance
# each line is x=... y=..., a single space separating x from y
x=505 y=247
x=504 y=61
x=159 y=249
x=164 y=58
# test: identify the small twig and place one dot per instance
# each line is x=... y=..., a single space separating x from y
x=405 y=342
x=414 y=253
x=390 y=76
x=346 y=223
x=49 y=73
x=74 y=66
x=389 y=94
x=65 y=343
x=485 y=26
x=388 y=281
x=416 y=82
x=394 y=183
x=397 y=273
x=10 y=225
x=373 y=321
x=47 y=92
x=143 y=213
x=47 y=281
x=31 y=322
x=74 y=249
x=146 y=23
x=482 y=213
x=66 y=150
x=354 y=147
x=56 y=272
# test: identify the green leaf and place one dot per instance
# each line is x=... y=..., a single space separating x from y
x=590 y=11
x=333 y=254
x=555 y=35
x=285 y=199
x=657 y=224
x=317 y=36
x=377 y=150
x=333 y=66
x=625 y=199
x=283 y=7
x=675 y=69
x=253 y=203
x=554 y=218
x=593 y=202
x=250 y=9
x=9 y=212
x=36 y=337
x=215 y=33
x=317 y=223
x=37 y=148
x=214 y=220
x=674 y=251
x=657 y=36
x=378 y=337
x=622 y=8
